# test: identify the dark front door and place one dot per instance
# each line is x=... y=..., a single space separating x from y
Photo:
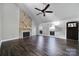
x=72 y=30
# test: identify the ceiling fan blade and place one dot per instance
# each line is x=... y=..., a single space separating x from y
x=46 y=7
x=43 y=14
x=37 y=9
x=49 y=11
x=39 y=13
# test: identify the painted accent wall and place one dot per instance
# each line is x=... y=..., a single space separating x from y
x=25 y=24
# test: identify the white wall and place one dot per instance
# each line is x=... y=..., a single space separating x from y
x=45 y=29
x=0 y=22
x=10 y=21
x=33 y=28
x=1 y=10
x=61 y=29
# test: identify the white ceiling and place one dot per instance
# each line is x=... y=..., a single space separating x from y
x=61 y=11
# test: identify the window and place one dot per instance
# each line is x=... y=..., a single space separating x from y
x=72 y=25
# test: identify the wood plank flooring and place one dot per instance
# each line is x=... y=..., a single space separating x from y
x=40 y=46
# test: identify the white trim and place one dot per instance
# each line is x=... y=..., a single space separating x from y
x=48 y=35
x=55 y=36
x=61 y=38
x=8 y=40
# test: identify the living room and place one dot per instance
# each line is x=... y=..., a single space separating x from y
x=39 y=29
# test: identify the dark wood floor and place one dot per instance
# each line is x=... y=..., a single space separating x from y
x=40 y=46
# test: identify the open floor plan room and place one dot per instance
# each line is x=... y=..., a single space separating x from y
x=39 y=29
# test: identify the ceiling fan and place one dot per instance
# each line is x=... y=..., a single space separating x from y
x=44 y=10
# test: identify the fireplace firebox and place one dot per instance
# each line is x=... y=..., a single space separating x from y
x=25 y=34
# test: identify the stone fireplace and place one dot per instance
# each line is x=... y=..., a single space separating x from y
x=25 y=25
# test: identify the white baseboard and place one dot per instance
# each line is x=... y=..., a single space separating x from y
x=55 y=36
x=61 y=37
x=8 y=40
